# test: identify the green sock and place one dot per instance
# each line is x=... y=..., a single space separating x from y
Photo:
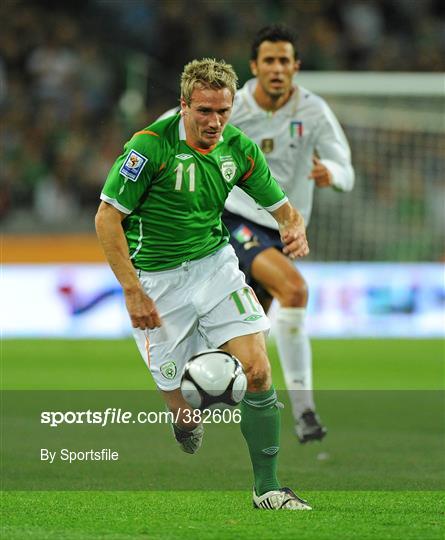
x=260 y=425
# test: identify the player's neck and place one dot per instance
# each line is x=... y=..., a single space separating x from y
x=196 y=146
x=268 y=102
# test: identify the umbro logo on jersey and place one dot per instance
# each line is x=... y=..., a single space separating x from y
x=183 y=157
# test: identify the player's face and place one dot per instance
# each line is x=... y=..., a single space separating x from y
x=206 y=116
x=275 y=67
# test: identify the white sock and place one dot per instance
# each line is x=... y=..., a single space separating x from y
x=295 y=354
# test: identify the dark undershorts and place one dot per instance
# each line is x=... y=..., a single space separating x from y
x=249 y=239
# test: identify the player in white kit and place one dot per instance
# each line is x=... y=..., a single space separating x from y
x=305 y=148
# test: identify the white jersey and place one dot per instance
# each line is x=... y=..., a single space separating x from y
x=289 y=138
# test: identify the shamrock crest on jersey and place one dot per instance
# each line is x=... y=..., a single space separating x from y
x=228 y=168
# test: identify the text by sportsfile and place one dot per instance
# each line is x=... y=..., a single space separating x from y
x=113 y=415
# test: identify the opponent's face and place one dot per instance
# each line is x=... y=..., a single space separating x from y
x=206 y=116
x=275 y=67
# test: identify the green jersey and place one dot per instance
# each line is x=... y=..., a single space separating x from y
x=174 y=194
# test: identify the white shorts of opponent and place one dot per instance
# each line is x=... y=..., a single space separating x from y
x=202 y=305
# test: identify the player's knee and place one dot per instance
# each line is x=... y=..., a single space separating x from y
x=295 y=294
x=259 y=377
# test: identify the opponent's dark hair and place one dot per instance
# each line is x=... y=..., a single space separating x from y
x=274 y=33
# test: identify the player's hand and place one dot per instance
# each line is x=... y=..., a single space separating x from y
x=292 y=230
x=320 y=174
x=142 y=310
x=294 y=240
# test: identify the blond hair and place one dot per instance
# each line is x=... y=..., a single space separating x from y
x=207 y=73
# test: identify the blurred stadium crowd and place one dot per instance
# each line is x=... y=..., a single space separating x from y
x=67 y=71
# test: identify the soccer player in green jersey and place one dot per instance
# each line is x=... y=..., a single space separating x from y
x=159 y=224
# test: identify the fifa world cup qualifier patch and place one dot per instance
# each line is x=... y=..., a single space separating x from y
x=133 y=165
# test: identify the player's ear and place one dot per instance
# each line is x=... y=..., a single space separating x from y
x=297 y=66
x=253 y=67
x=183 y=104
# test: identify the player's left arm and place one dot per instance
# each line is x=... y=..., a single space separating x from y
x=332 y=166
x=292 y=230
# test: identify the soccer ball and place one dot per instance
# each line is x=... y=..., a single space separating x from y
x=212 y=377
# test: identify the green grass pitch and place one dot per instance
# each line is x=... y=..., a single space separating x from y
x=404 y=378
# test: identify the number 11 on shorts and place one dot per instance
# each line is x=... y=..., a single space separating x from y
x=245 y=301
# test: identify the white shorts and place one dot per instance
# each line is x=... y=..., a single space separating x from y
x=202 y=305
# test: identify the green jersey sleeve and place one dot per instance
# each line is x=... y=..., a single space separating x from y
x=259 y=183
x=132 y=173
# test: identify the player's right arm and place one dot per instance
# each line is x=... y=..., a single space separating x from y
x=141 y=308
x=128 y=181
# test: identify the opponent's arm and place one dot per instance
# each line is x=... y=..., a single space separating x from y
x=292 y=230
x=332 y=166
x=320 y=174
x=141 y=308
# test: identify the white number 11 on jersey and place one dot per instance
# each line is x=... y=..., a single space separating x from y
x=180 y=175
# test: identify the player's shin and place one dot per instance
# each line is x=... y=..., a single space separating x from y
x=295 y=355
x=260 y=426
